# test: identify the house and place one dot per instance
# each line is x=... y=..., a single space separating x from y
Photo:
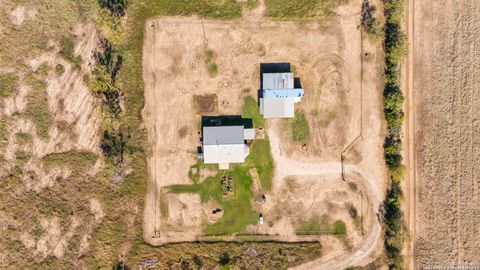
x=226 y=142
x=278 y=95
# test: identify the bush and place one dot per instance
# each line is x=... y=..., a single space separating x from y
x=104 y=74
x=67 y=48
x=395 y=49
x=368 y=21
x=116 y=7
x=113 y=144
x=59 y=69
x=224 y=259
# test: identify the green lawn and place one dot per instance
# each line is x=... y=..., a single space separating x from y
x=238 y=212
x=261 y=158
x=300 y=128
x=302 y=9
x=250 y=110
x=322 y=226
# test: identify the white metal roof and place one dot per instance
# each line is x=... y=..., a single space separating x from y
x=277 y=107
x=278 y=80
x=249 y=133
x=224 y=144
x=223 y=135
x=226 y=153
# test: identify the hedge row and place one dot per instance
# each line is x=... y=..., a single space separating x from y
x=395 y=49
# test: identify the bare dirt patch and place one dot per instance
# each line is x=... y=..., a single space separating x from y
x=206 y=104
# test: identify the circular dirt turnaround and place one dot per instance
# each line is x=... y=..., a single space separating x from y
x=329 y=95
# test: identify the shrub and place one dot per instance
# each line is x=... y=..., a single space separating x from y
x=113 y=144
x=59 y=69
x=339 y=228
x=224 y=259
x=116 y=7
x=67 y=48
x=42 y=70
x=23 y=138
x=104 y=74
x=368 y=21
x=395 y=49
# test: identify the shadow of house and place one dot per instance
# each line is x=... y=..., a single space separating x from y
x=226 y=120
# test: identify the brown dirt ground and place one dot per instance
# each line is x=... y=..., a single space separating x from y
x=175 y=73
x=447 y=135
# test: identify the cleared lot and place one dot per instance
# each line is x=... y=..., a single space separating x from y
x=186 y=60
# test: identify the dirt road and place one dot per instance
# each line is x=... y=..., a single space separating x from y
x=409 y=186
x=364 y=251
x=446 y=60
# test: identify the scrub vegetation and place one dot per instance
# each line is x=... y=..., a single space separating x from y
x=371 y=24
x=210 y=62
x=8 y=84
x=244 y=255
x=37 y=108
x=123 y=140
x=395 y=49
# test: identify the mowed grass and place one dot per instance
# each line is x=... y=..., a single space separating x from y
x=250 y=110
x=322 y=226
x=299 y=126
x=302 y=9
x=260 y=157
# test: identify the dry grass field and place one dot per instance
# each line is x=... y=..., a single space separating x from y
x=65 y=205
x=447 y=135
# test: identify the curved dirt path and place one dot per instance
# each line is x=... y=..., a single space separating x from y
x=285 y=166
